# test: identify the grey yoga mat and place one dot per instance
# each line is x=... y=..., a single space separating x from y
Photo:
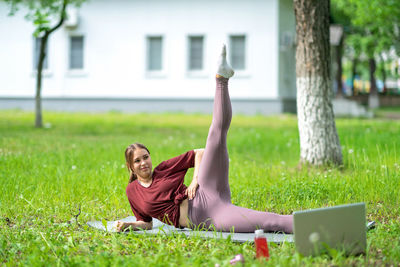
x=162 y=228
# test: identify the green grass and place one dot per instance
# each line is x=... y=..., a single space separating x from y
x=46 y=174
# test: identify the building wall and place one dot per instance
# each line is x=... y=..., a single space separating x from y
x=287 y=51
x=115 y=50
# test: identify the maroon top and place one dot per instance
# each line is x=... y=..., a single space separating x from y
x=162 y=198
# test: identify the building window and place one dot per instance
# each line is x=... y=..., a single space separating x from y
x=37 y=52
x=76 y=52
x=196 y=44
x=154 y=53
x=238 y=51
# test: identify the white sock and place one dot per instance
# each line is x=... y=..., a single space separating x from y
x=223 y=67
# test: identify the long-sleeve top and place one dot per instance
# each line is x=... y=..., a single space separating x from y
x=163 y=197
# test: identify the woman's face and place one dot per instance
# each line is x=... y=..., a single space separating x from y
x=142 y=166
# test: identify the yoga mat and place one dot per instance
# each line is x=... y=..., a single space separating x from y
x=162 y=228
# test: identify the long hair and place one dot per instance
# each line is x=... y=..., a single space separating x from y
x=129 y=153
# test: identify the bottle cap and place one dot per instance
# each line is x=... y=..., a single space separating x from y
x=259 y=232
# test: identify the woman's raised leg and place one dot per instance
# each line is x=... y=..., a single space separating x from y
x=212 y=204
x=214 y=168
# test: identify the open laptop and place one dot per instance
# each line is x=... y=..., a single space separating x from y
x=341 y=228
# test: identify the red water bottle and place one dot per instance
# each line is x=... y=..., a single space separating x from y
x=260 y=241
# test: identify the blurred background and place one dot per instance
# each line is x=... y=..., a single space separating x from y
x=160 y=56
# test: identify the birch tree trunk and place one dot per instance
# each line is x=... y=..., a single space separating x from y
x=319 y=141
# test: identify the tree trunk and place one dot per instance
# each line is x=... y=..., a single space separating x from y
x=38 y=100
x=319 y=141
x=383 y=71
x=339 y=55
x=42 y=55
x=373 y=98
x=353 y=75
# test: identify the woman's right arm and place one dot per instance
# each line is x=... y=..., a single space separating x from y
x=134 y=226
x=192 y=188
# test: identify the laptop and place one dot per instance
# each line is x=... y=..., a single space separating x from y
x=341 y=228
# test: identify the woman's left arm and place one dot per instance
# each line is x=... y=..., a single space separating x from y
x=191 y=190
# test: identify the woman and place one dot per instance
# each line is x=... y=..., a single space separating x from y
x=206 y=203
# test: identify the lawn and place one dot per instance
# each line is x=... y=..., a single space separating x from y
x=77 y=160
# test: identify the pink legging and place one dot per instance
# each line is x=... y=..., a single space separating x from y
x=212 y=208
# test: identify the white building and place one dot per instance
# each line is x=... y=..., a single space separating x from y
x=153 y=56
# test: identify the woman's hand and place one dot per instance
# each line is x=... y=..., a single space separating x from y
x=191 y=190
x=121 y=226
x=133 y=226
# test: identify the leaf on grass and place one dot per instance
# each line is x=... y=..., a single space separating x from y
x=71 y=241
x=104 y=222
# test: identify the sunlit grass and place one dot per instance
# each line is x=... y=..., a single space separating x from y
x=78 y=161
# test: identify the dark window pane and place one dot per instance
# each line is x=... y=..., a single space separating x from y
x=238 y=48
x=76 y=52
x=154 y=53
x=196 y=53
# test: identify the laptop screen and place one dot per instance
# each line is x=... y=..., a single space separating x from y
x=340 y=228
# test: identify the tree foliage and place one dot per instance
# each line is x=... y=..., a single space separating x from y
x=372 y=30
x=43 y=13
x=373 y=24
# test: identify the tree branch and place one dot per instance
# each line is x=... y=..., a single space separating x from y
x=62 y=18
